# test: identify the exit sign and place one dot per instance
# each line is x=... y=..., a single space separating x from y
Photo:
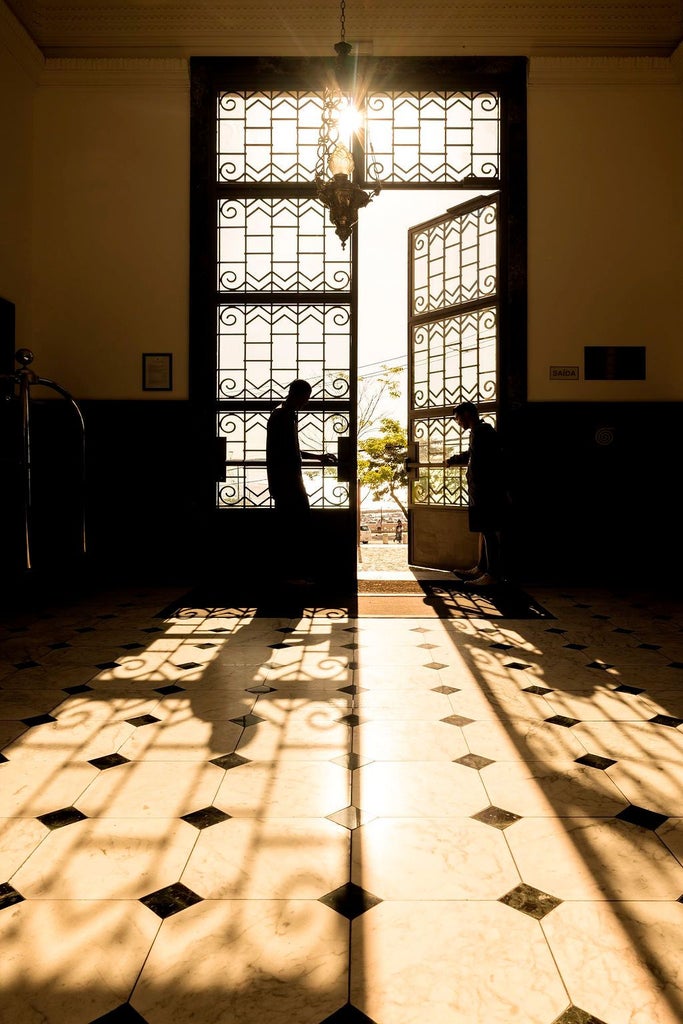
x=564 y=373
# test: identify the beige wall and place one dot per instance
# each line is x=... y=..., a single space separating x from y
x=111 y=235
x=110 y=228
x=19 y=67
x=605 y=224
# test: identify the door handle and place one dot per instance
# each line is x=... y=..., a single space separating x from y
x=411 y=463
x=344 y=460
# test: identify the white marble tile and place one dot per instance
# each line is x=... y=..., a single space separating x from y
x=269 y=859
x=71 y=961
x=409 y=741
x=238 y=960
x=40 y=784
x=432 y=859
x=151 y=789
x=322 y=738
x=654 y=784
x=292 y=789
x=671 y=834
x=393 y=677
x=426 y=789
x=523 y=739
x=479 y=962
x=19 y=837
x=566 y=790
x=597 y=859
x=107 y=859
x=620 y=961
x=631 y=740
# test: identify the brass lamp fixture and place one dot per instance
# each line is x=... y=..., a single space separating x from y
x=335 y=165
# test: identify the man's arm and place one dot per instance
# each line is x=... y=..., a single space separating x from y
x=324 y=458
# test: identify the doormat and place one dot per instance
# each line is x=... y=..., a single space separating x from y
x=421 y=599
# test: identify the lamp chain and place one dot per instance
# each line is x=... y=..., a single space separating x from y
x=342 y=18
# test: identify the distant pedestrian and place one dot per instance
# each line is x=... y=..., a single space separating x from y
x=487 y=495
x=286 y=484
x=398 y=536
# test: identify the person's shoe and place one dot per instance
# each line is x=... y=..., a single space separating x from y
x=467 y=574
x=485 y=580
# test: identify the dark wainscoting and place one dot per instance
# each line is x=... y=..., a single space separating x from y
x=594 y=490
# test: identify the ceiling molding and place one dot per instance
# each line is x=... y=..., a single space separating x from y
x=607 y=71
x=305 y=27
x=16 y=40
x=120 y=72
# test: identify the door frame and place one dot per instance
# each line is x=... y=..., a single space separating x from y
x=231 y=536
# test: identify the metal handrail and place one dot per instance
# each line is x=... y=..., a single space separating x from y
x=24 y=379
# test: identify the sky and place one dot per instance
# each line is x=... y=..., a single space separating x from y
x=383 y=278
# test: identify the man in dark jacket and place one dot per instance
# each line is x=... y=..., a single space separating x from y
x=487 y=496
x=286 y=484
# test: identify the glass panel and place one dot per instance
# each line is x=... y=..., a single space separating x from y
x=432 y=137
x=279 y=245
x=262 y=349
x=454 y=360
x=245 y=434
x=268 y=137
x=455 y=261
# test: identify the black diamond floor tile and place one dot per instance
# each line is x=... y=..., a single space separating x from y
x=228 y=761
x=83 y=688
x=649 y=647
x=38 y=720
x=595 y=761
x=64 y=816
x=517 y=665
x=108 y=761
x=132 y=646
x=170 y=900
x=575 y=647
x=350 y=817
x=537 y=689
x=62 y=645
x=641 y=816
x=171 y=688
x=623 y=688
x=562 y=720
x=497 y=817
x=530 y=901
x=142 y=720
x=352 y=720
x=124 y=1014
x=459 y=720
x=187 y=665
x=673 y=723
x=107 y=664
x=9 y=895
x=350 y=900
x=445 y=689
x=601 y=666
x=573 y=1015
x=206 y=817
x=27 y=664
x=247 y=720
x=260 y=688
x=502 y=647
x=473 y=761
x=436 y=665
x=352 y=689
x=348 y=1015
x=675 y=664
x=351 y=761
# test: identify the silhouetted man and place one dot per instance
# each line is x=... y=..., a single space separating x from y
x=286 y=484
x=487 y=495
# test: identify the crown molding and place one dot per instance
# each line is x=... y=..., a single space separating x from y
x=102 y=72
x=603 y=71
x=16 y=40
x=75 y=28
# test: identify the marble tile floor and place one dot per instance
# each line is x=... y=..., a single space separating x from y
x=225 y=819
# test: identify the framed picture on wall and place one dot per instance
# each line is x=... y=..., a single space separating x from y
x=157 y=371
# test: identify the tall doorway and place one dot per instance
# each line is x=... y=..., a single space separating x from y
x=274 y=296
